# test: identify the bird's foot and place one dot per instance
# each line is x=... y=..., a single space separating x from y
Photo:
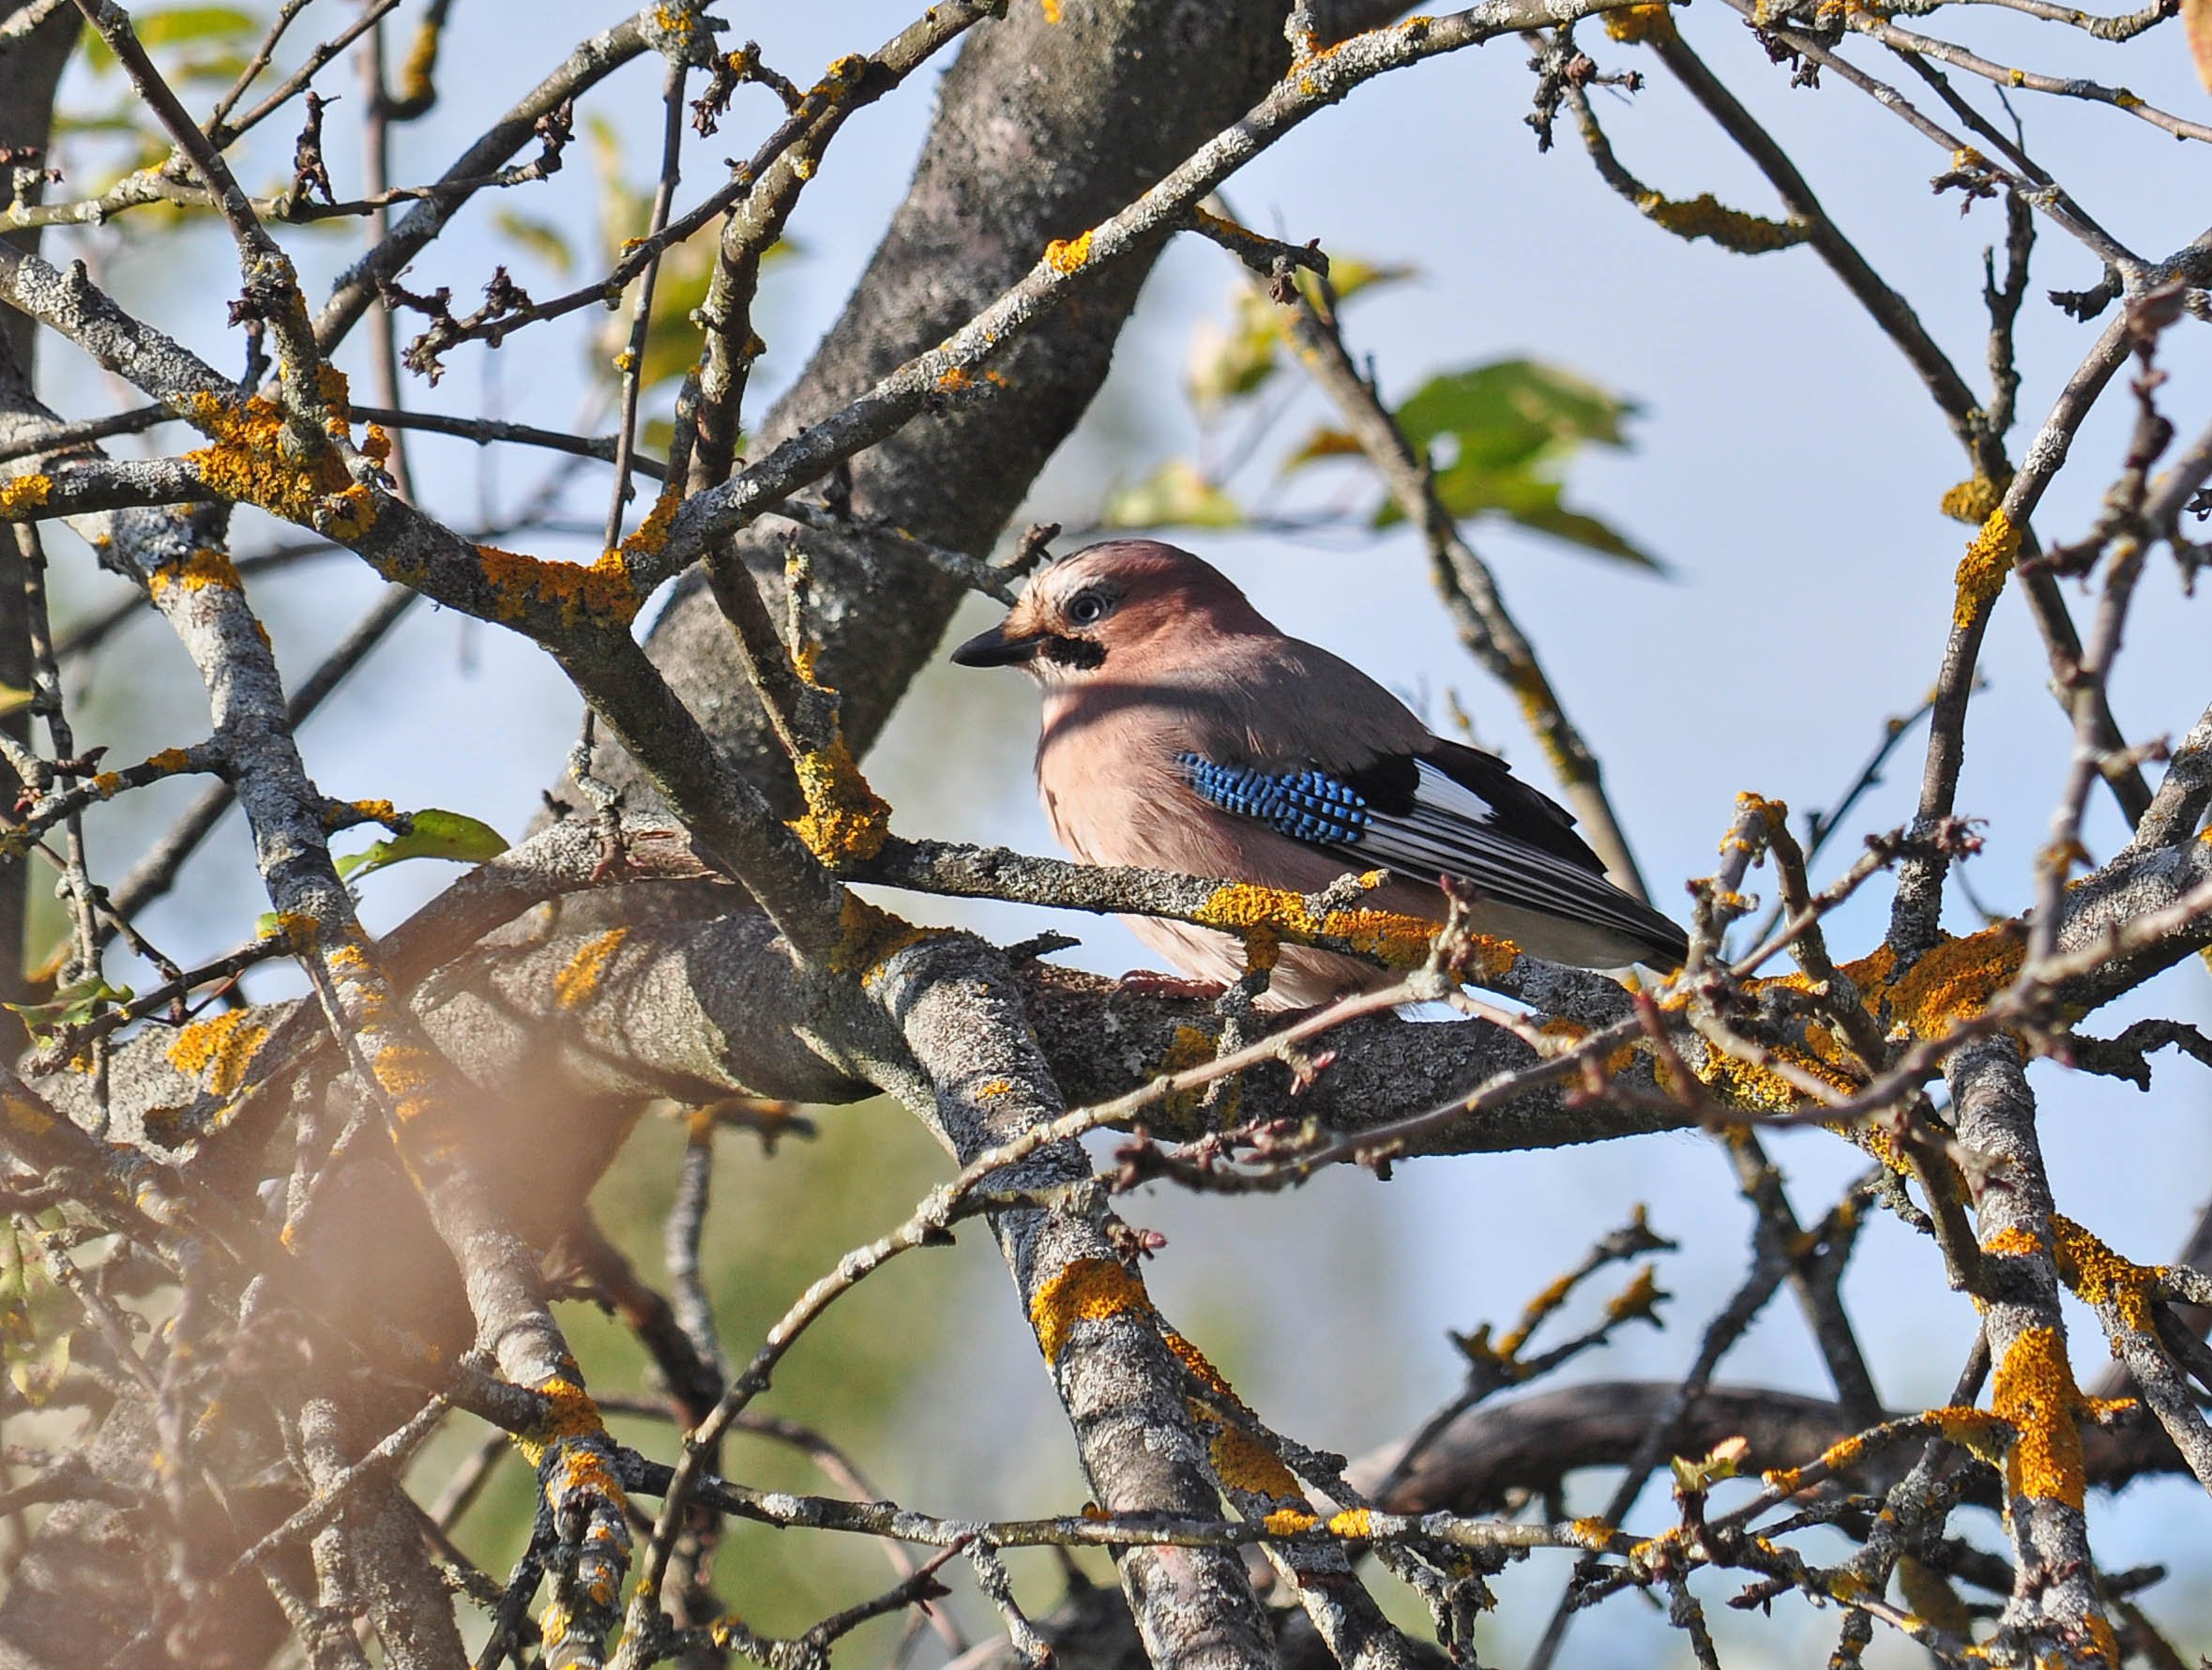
x=1146 y=982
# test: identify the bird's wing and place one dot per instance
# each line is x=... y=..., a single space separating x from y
x=1448 y=811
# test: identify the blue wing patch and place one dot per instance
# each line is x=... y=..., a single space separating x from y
x=1310 y=806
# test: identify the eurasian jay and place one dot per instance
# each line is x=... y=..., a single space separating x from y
x=1183 y=732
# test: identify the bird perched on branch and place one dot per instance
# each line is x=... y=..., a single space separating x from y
x=1183 y=732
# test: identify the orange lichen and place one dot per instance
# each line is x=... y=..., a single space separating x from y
x=169 y=760
x=2034 y=1392
x=2101 y=1278
x=1202 y=1371
x=953 y=379
x=651 y=535
x=1706 y=215
x=1639 y=24
x=220 y=1047
x=869 y=937
x=1639 y=1297
x=569 y=1413
x=405 y=1072
x=18 y=493
x=1352 y=1523
x=1289 y=1522
x=254 y=457
x=1591 y=1533
x=991 y=1089
x=576 y=982
x=1050 y=10
x=1087 y=1290
x=347 y=514
x=1982 y=572
x=1951 y=981
x=205 y=568
x=603 y=593
x=1975 y=500
x=1068 y=255
x=846 y=822
x=1245 y=908
x=376 y=445
x=1243 y=1463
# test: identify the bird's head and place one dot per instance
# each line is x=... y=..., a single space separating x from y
x=1076 y=615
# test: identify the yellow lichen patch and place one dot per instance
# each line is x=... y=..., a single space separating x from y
x=1050 y=10
x=2101 y=1277
x=405 y=1072
x=569 y=1413
x=869 y=937
x=169 y=760
x=1953 y=980
x=1245 y=908
x=1975 y=501
x=579 y=978
x=651 y=536
x=1088 y=1290
x=991 y=1089
x=1639 y=1297
x=1706 y=215
x=601 y=593
x=1638 y=23
x=846 y=822
x=1352 y=1523
x=1243 y=1463
x=18 y=493
x=299 y=928
x=1187 y=1047
x=251 y=460
x=1202 y=1371
x=953 y=380
x=376 y=445
x=218 y=1050
x=347 y=514
x=1989 y=555
x=1750 y=1085
x=1289 y=1522
x=1067 y=254
x=1540 y=710
x=106 y=784
x=203 y=569
x=2034 y=1392
x=1593 y=1533
x=2014 y=1241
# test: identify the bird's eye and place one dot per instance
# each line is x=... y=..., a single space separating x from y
x=1086 y=607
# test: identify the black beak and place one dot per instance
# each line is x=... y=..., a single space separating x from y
x=993 y=648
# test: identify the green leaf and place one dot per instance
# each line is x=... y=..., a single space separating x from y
x=36 y=1369
x=174 y=26
x=1533 y=502
x=432 y=834
x=70 y=1006
x=1348 y=275
x=1513 y=411
x=1322 y=443
x=1173 y=495
x=34 y=1334
x=542 y=238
